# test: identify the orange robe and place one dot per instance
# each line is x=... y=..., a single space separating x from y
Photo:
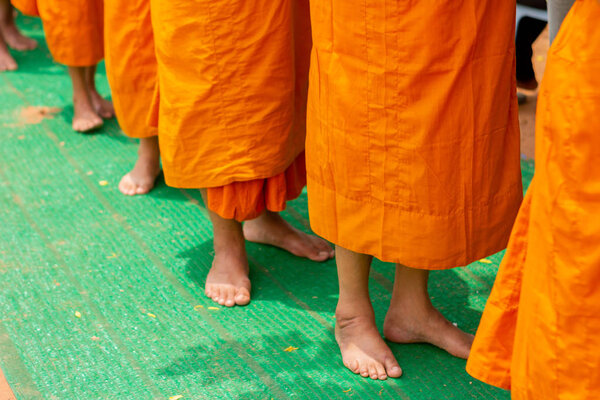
x=130 y=63
x=231 y=99
x=73 y=28
x=540 y=332
x=413 y=137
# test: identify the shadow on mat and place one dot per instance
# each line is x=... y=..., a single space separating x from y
x=221 y=365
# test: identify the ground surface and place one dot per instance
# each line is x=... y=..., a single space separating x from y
x=102 y=294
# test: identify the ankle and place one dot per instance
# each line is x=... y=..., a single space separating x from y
x=354 y=309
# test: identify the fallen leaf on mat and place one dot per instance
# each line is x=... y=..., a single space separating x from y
x=290 y=349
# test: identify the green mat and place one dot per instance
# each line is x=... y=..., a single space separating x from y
x=102 y=294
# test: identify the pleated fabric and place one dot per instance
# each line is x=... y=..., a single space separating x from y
x=73 y=28
x=413 y=137
x=246 y=200
x=130 y=63
x=539 y=331
x=230 y=103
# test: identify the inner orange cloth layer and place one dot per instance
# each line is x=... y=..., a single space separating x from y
x=539 y=335
x=130 y=63
x=232 y=86
x=243 y=201
x=412 y=151
x=73 y=28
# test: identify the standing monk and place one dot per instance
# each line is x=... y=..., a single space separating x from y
x=74 y=32
x=412 y=157
x=539 y=335
x=131 y=71
x=11 y=37
x=232 y=78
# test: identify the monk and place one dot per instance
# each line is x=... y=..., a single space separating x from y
x=131 y=71
x=11 y=37
x=412 y=157
x=230 y=109
x=538 y=335
x=74 y=32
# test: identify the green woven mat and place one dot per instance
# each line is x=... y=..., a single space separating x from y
x=102 y=294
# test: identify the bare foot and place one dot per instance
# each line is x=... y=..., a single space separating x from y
x=270 y=228
x=227 y=282
x=140 y=180
x=363 y=350
x=7 y=62
x=104 y=108
x=15 y=39
x=85 y=118
x=425 y=325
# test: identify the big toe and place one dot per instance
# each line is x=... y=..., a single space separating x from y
x=143 y=188
x=30 y=44
x=242 y=296
x=8 y=65
x=126 y=186
x=322 y=246
x=392 y=368
x=86 y=125
x=107 y=110
x=461 y=348
x=107 y=114
x=319 y=255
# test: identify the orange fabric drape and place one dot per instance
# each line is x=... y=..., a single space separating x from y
x=539 y=334
x=244 y=201
x=130 y=63
x=232 y=84
x=27 y=7
x=73 y=28
x=413 y=138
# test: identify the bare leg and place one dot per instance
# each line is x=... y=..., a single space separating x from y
x=85 y=118
x=104 y=108
x=7 y=62
x=413 y=319
x=227 y=282
x=363 y=350
x=270 y=228
x=140 y=180
x=8 y=29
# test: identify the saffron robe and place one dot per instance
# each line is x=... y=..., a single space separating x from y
x=73 y=28
x=231 y=100
x=412 y=134
x=130 y=63
x=539 y=332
